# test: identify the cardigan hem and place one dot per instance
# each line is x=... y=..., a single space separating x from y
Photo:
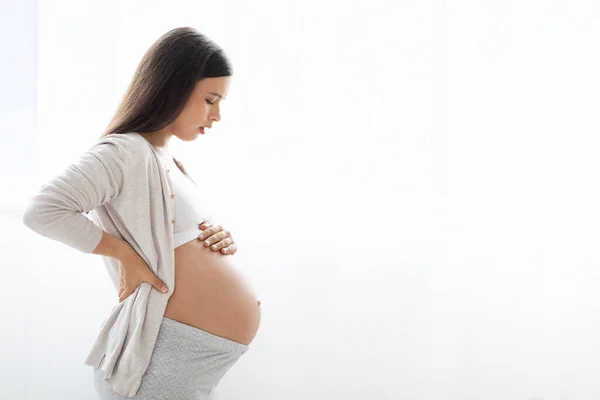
x=123 y=384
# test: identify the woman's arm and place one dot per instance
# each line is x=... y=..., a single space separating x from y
x=114 y=247
x=56 y=210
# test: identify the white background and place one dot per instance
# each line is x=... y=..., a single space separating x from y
x=413 y=186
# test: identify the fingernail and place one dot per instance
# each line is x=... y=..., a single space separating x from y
x=207 y=243
x=201 y=237
x=164 y=290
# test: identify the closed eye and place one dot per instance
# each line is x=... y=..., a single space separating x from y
x=209 y=102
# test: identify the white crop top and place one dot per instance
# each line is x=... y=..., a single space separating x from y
x=188 y=204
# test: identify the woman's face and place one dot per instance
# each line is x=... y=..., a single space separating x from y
x=202 y=108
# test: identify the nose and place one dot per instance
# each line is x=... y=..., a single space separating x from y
x=215 y=115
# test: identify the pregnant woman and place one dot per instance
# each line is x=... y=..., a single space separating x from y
x=185 y=313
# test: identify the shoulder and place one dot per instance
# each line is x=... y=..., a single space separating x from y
x=128 y=148
x=126 y=141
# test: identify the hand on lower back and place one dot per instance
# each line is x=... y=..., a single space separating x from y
x=134 y=271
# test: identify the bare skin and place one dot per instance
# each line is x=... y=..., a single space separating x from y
x=210 y=293
x=201 y=110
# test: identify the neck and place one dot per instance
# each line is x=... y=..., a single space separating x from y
x=159 y=140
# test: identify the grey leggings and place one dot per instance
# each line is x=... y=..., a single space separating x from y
x=187 y=364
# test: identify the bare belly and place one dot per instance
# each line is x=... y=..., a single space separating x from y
x=211 y=294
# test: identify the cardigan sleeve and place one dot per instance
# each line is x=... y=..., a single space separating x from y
x=56 y=210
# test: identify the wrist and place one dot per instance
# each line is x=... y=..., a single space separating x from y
x=123 y=250
x=113 y=247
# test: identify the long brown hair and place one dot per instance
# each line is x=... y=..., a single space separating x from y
x=164 y=80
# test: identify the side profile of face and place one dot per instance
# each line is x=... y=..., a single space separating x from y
x=202 y=109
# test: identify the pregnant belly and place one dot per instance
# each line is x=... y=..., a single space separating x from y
x=212 y=294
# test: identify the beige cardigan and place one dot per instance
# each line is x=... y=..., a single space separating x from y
x=123 y=185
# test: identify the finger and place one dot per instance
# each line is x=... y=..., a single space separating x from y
x=123 y=295
x=158 y=284
x=221 y=244
x=217 y=237
x=204 y=225
x=231 y=249
x=210 y=231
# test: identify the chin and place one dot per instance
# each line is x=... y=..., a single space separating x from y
x=190 y=137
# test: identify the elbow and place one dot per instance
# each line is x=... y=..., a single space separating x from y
x=31 y=217
x=39 y=216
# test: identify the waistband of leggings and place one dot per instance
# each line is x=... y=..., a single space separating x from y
x=204 y=338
